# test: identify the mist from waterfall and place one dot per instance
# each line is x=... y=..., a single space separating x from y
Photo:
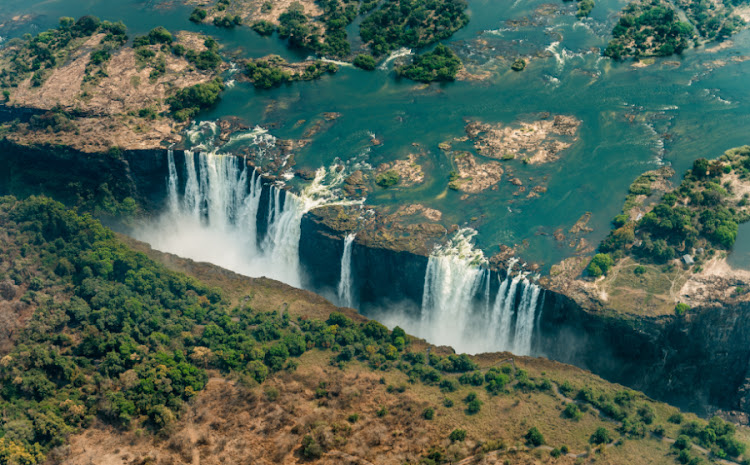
x=456 y=305
x=346 y=285
x=214 y=217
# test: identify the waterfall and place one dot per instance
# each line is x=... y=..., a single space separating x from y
x=345 y=290
x=214 y=218
x=525 y=319
x=505 y=332
x=456 y=304
x=452 y=280
x=172 y=183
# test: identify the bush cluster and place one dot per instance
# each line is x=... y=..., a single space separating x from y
x=439 y=65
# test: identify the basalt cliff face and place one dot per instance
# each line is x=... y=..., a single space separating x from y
x=700 y=361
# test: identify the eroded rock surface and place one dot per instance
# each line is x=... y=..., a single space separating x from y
x=540 y=140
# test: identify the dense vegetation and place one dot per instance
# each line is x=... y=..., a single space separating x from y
x=386 y=25
x=700 y=216
x=364 y=61
x=441 y=64
x=713 y=20
x=187 y=102
x=649 y=28
x=273 y=71
x=411 y=23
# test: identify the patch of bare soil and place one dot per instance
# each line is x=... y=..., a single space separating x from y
x=110 y=103
x=716 y=282
x=97 y=134
x=127 y=86
x=537 y=141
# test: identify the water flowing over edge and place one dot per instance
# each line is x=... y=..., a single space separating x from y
x=213 y=208
x=457 y=307
x=346 y=285
x=213 y=215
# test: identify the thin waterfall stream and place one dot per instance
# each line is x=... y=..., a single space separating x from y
x=346 y=285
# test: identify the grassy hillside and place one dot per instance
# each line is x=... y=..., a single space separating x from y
x=108 y=356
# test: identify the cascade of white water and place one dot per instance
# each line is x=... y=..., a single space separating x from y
x=282 y=239
x=525 y=319
x=192 y=196
x=505 y=333
x=215 y=217
x=345 y=289
x=172 y=199
x=452 y=280
x=248 y=217
x=493 y=326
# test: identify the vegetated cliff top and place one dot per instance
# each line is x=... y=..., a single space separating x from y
x=669 y=245
x=115 y=356
x=99 y=92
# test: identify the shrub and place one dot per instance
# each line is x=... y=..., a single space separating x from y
x=682 y=442
x=364 y=61
x=457 y=435
x=353 y=418
x=263 y=27
x=646 y=413
x=600 y=264
x=198 y=15
x=639 y=270
x=272 y=393
x=474 y=406
x=207 y=59
x=190 y=100
x=675 y=418
x=600 y=436
x=572 y=412
x=227 y=21
x=584 y=8
x=311 y=450
x=447 y=403
x=448 y=385
x=382 y=411
x=428 y=413
x=681 y=308
x=439 y=65
x=387 y=179
x=534 y=437
x=159 y=35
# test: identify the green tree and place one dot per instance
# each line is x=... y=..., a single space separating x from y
x=534 y=437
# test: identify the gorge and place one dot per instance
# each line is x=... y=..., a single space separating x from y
x=204 y=198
